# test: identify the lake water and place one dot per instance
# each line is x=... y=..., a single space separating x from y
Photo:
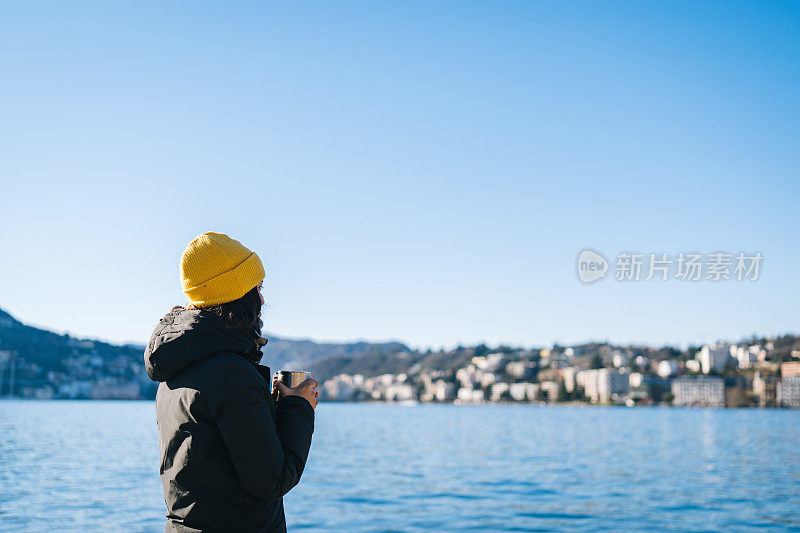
x=91 y=466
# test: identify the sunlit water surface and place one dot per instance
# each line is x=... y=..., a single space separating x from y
x=91 y=466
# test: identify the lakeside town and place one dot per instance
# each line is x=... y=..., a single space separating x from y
x=759 y=372
x=719 y=375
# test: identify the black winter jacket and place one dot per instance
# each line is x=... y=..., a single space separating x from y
x=228 y=451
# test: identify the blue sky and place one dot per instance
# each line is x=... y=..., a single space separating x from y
x=418 y=171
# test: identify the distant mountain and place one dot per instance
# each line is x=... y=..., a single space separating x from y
x=388 y=359
x=50 y=351
x=302 y=354
x=40 y=363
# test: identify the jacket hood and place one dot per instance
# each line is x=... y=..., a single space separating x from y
x=184 y=336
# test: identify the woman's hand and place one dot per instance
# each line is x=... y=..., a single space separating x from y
x=307 y=390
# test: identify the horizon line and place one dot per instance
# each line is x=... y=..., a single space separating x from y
x=683 y=345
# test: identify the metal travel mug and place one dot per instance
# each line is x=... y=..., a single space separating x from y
x=292 y=378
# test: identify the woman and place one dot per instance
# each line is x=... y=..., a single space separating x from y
x=229 y=450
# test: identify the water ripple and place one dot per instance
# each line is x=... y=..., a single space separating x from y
x=432 y=468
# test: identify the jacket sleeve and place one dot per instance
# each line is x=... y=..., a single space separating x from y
x=268 y=458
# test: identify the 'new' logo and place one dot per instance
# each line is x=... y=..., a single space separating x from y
x=591 y=266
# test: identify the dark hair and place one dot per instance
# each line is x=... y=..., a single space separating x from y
x=241 y=315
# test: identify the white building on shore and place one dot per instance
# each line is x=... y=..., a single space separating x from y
x=444 y=391
x=715 y=357
x=342 y=387
x=522 y=392
x=603 y=385
x=705 y=391
x=398 y=392
x=470 y=395
x=788 y=392
x=765 y=389
x=748 y=356
x=498 y=390
x=667 y=368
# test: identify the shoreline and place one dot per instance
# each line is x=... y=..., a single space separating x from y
x=414 y=403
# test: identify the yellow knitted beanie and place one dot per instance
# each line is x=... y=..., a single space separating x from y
x=216 y=269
